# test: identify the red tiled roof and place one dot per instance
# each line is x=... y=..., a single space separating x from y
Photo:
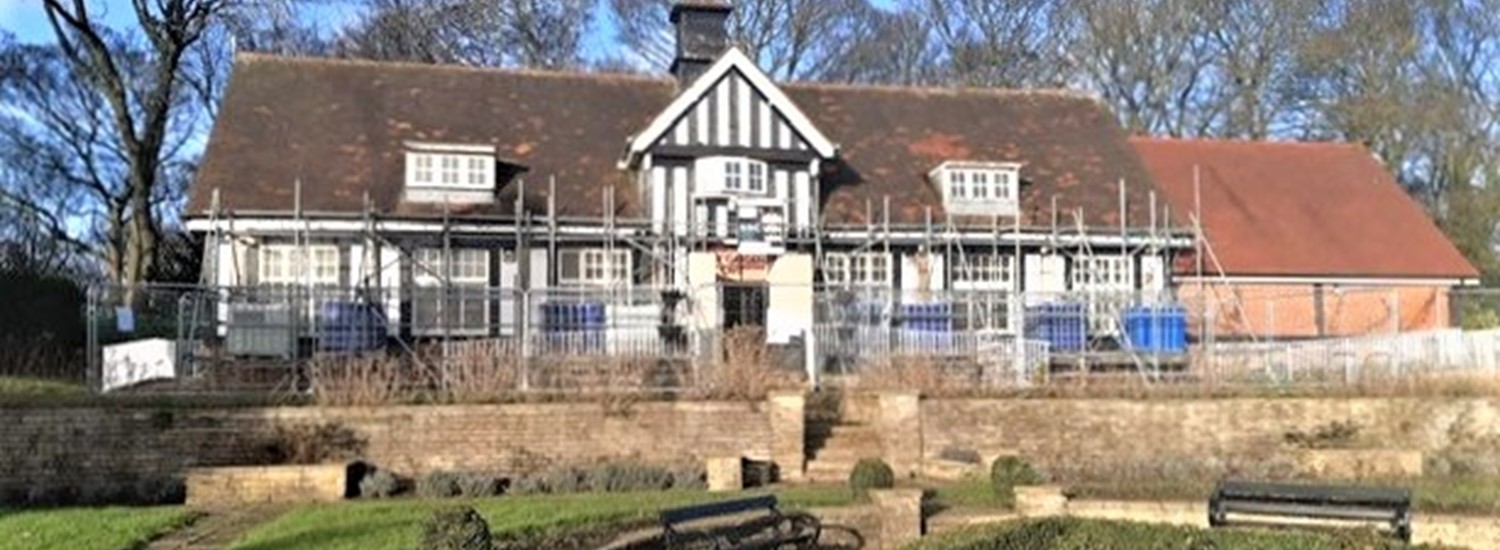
x=339 y=127
x=1301 y=209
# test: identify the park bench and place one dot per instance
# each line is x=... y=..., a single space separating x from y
x=740 y=524
x=1267 y=502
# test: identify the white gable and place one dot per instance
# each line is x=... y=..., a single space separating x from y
x=732 y=104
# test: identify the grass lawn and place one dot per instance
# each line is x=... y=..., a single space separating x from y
x=36 y=387
x=87 y=528
x=393 y=524
x=1457 y=495
x=1121 y=535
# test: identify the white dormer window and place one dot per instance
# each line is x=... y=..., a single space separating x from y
x=730 y=175
x=979 y=188
x=450 y=172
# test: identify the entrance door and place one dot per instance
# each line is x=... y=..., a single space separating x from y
x=744 y=305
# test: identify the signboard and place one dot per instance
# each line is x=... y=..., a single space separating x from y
x=737 y=267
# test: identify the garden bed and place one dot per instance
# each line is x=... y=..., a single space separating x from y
x=1110 y=535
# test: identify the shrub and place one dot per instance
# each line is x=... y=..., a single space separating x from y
x=871 y=473
x=479 y=485
x=1333 y=435
x=379 y=484
x=456 y=528
x=609 y=477
x=438 y=484
x=1009 y=471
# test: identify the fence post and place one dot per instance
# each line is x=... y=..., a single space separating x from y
x=523 y=318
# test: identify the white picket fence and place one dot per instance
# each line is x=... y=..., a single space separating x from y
x=1353 y=358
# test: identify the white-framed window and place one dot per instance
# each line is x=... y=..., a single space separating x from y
x=734 y=175
x=985 y=188
x=1111 y=273
x=985 y=272
x=756 y=177
x=594 y=267
x=866 y=269
x=291 y=264
x=450 y=170
x=1109 y=281
x=462 y=305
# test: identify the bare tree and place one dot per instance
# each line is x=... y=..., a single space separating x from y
x=125 y=98
x=1009 y=43
x=494 y=33
x=790 y=39
x=1148 y=59
x=1253 y=51
x=894 y=47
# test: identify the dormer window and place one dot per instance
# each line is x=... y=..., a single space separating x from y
x=730 y=175
x=979 y=188
x=450 y=172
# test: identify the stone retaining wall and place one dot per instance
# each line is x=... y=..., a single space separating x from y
x=97 y=454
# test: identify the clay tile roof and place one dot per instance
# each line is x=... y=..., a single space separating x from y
x=339 y=126
x=1301 y=209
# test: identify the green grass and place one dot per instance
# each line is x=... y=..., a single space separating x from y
x=36 y=387
x=376 y=525
x=972 y=492
x=1082 y=534
x=1455 y=495
x=87 y=528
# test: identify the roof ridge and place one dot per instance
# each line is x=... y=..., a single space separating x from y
x=1244 y=141
x=952 y=90
x=262 y=57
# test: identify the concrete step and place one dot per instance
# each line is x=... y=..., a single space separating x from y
x=844 y=454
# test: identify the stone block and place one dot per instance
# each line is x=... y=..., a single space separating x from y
x=950 y=470
x=900 y=513
x=248 y=485
x=788 y=420
x=1040 y=500
x=726 y=474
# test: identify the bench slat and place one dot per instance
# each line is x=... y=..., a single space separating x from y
x=1313 y=494
x=1309 y=511
x=715 y=509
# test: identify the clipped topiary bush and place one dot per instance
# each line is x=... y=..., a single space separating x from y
x=871 y=473
x=438 y=484
x=1009 y=471
x=379 y=484
x=456 y=528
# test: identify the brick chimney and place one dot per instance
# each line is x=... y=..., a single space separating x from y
x=701 y=37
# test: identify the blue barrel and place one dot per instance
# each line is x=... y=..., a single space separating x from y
x=574 y=326
x=350 y=327
x=1062 y=325
x=1156 y=329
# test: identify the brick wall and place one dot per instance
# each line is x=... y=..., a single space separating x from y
x=103 y=449
x=1291 y=311
x=1211 y=435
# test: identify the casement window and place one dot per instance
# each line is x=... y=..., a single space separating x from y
x=464 y=171
x=982 y=188
x=731 y=175
x=293 y=265
x=985 y=272
x=862 y=269
x=1109 y=273
x=1109 y=280
x=461 y=306
x=594 y=267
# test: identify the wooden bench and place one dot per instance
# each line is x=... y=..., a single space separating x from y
x=740 y=524
x=1389 y=506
